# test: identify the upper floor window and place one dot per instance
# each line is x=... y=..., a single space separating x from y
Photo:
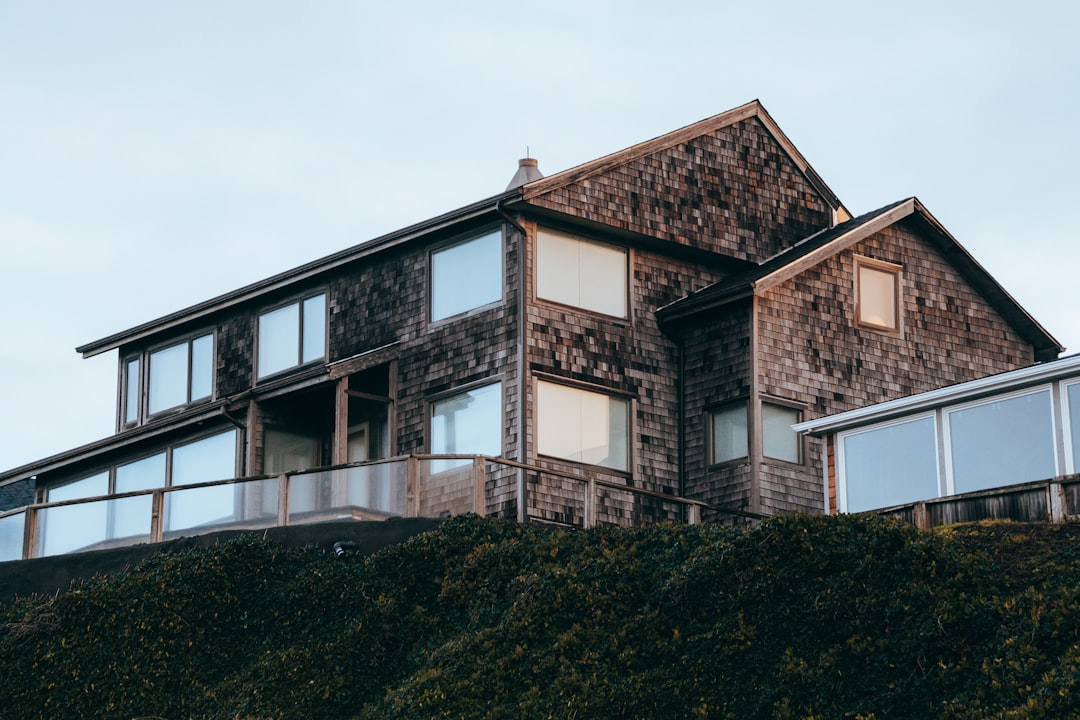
x=877 y=294
x=582 y=273
x=292 y=335
x=729 y=433
x=166 y=378
x=466 y=275
x=583 y=426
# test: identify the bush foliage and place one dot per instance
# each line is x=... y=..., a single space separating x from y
x=794 y=617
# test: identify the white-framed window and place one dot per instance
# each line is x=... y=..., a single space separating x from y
x=166 y=378
x=469 y=422
x=1003 y=440
x=292 y=335
x=466 y=275
x=583 y=425
x=877 y=294
x=729 y=438
x=584 y=274
x=1070 y=416
x=888 y=464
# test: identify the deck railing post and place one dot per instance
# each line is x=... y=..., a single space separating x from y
x=157 y=515
x=283 y=500
x=1055 y=501
x=479 y=501
x=693 y=514
x=590 y=503
x=29 y=532
x=412 y=487
x=522 y=497
x=920 y=517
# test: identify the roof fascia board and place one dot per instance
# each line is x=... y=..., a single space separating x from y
x=949 y=395
x=295 y=275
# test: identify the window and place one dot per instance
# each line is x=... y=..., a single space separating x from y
x=466 y=275
x=1072 y=422
x=469 y=423
x=877 y=291
x=1003 y=441
x=292 y=335
x=583 y=426
x=176 y=375
x=729 y=437
x=585 y=274
x=728 y=434
x=778 y=440
x=888 y=464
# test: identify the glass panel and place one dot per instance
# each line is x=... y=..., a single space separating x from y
x=279 y=339
x=202 y=367
x=212 y=458
x=890 y=465
x=11 y=536
x=131 y=516
x=197 y=507
x=778 y=440
x=877 y=297
x=288 y=452
x=729 y=433
x=131 y=391
x=603 y=279
x=466 y=275
x=92 y=486
x=1003 y=442
x=469 y=423
x=583 y=426
x=314 y=328
x=584 y=274
x=168 y=378
x=380 y=487
x=1073 y=392
x=145 y=474
x=71 y=527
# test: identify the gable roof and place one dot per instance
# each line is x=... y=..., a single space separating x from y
x=752 y=109
x=827 y=243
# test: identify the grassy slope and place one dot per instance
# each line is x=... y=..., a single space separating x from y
x=792 y=618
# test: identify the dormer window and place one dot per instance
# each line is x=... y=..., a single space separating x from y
x=292 y=335
x=166 y=378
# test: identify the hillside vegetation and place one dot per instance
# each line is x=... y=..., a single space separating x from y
x=794 y=617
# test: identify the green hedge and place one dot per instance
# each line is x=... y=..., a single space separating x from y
x=798 y=617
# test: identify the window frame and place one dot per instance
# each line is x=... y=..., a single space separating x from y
x=433 y=400
x=800 y=440
x=142 y=385
x=298 y=301
x=450 y=245
x=627 y=273
x=710 y=430
x=607 y=392
x=840 y=451
x=897 y=273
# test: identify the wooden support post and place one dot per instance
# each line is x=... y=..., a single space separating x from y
x=590 y=503
x=283 y=500
x=412 y=487
x=920 y=517
x=522 y=497
x=157 y=516
x=693 y=514
x=479 y=477
x=1055 y=501
x=29 y=533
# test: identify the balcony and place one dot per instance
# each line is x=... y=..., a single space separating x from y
x=429 y=486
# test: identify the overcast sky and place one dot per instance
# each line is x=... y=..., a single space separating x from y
x=153 y=155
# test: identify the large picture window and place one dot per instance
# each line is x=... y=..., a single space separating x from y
x=176 y=375
x=292 y=335
x=466 y=275
x=889 y=464
x=583 y=426
x=581 y=273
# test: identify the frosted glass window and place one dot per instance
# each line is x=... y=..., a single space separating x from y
x=583 y=426
x=728 y=433
x=168 y=378
x=889 y=465
x=466 y=275
x=470 y=423
x=1002 y=442
x=145 y=474
x=212 y=458
x=92 y=486
x=289 y=336
x=778 y=440
x=585 y=274
x=11 y=536
x=877 y=296
x=1073 y=392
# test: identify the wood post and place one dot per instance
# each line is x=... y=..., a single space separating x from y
x=479 y=502
x=412 y=487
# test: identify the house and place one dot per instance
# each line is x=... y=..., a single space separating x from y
x=655 y=319
x=1002 y=446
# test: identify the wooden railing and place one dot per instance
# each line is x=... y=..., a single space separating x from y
x=406 y=486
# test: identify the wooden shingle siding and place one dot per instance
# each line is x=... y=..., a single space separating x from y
x=734 y=191
x=811 y=352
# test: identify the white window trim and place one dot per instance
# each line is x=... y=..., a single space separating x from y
x=1066 y=425
x=841 y=454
